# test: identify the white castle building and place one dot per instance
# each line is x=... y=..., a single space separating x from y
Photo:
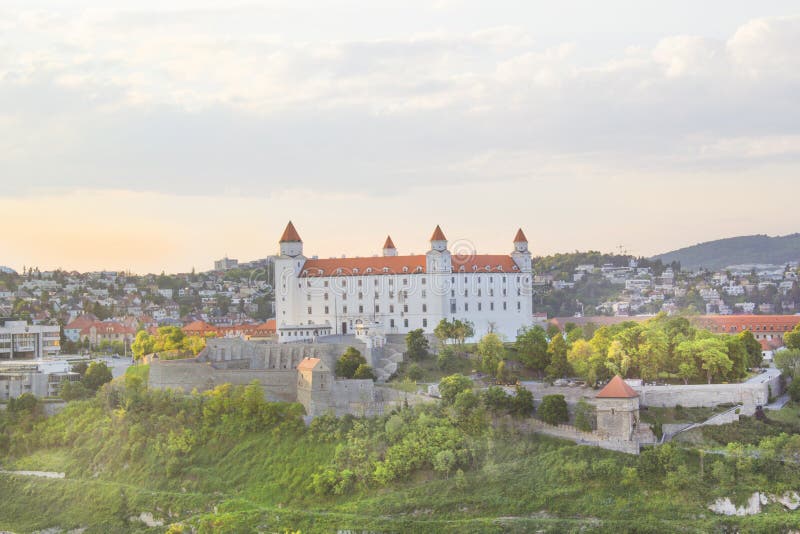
x=319 y=297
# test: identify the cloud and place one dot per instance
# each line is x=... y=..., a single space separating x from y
x=155 y=100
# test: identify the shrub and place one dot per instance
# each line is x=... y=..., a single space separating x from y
x=448 y=359
x=553 y=409
x=584 y=416
x=349 y=362
x=794 y=390
x=452 y=385
x=364 y=371
x=416 y=345
x=414 y=372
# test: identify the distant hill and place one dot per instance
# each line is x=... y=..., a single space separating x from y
x=7 y=270
x=735 y=251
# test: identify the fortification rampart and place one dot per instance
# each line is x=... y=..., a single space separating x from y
x=594 y=439
x=748 y=394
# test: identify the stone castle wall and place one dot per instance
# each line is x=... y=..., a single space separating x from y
x=748 y=394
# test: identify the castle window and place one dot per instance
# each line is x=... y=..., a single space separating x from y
x=391 y=323
x=479 y=306
x=325 y=297
x=405 y=269
x=339 y=270
x=424 y=308
x=344 y=309
x=305 y=272
x=405 y=323
x=491 y=306
x=369 y=269
x=355 y=271
x=505 y=307
x=405 y=308
x=418 y=269
x=325 y=283
x=377 y=308
x=461 y=269
x=423 y=278
x=424 y=293
x=519 y=305
x=425 y=323
x=488 y=267
x=308 y=296
x=309 y=310
x=466 y=306
x=360 y=295
x=405 y=281
x=386 y=269
x=479 y=292
x=360 y=309
x=326 y=310
x=391 y=308
x=474 y=267
x=360 y=281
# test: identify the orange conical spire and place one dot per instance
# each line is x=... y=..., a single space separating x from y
x=520 y=237
x=290 y=234
x=389 y=243
x=438 y=235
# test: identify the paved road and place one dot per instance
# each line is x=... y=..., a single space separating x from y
x=779 y=403
x=769 y=374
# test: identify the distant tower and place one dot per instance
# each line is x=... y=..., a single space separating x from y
x=617 y=410
x=438 y=258
x=291 y=244
x=288 y=267
x=521 y=254
x=389 y=248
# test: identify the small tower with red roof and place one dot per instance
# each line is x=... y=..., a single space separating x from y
x=521 y=254
x=291 y=244
x=438 y=258
x=389 y=248
x=617 y=410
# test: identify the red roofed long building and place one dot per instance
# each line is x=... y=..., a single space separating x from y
x=767 y=329
x=316 y=297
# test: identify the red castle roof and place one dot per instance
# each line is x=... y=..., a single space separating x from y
x=389 y=243
x=617 y=389
x=438 y=235
x=520 y=237
x=290 y=234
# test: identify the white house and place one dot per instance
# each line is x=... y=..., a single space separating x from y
x=316 y=297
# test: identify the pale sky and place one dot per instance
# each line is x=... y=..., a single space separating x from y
x=136 y=136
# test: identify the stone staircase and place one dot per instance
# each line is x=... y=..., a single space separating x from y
x=387 y=364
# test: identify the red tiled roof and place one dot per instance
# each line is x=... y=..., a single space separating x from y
x=617 y=389
x=754 y=323
x=81 y=322
x=438 y=235
x=389 y=243
x=290 y=234
x=308 y=364
x=199 y=327
x=413 y=264
x=271 y=324
x=520 y=237
x=107 y=327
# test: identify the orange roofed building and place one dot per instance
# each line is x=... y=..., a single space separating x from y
x=397 y=293
x=767 y=329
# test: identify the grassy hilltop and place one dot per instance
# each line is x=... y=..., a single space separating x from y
x=227 y=461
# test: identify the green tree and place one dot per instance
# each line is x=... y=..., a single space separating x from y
x=73 y=390
x=531 y=347
x=451 y=386
x=794 y=390
x=447 y=359
x=584 y=416
x=349 y=362
x=363 y=372
x=444 y=331
x=709 y=353
x=416 y=345
x=492 y=352
x=97 y=374
x=553 y=409
x=792 y=339
x=522 y=403
x=752 y=346
x=788 y=361
x=559 y=365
